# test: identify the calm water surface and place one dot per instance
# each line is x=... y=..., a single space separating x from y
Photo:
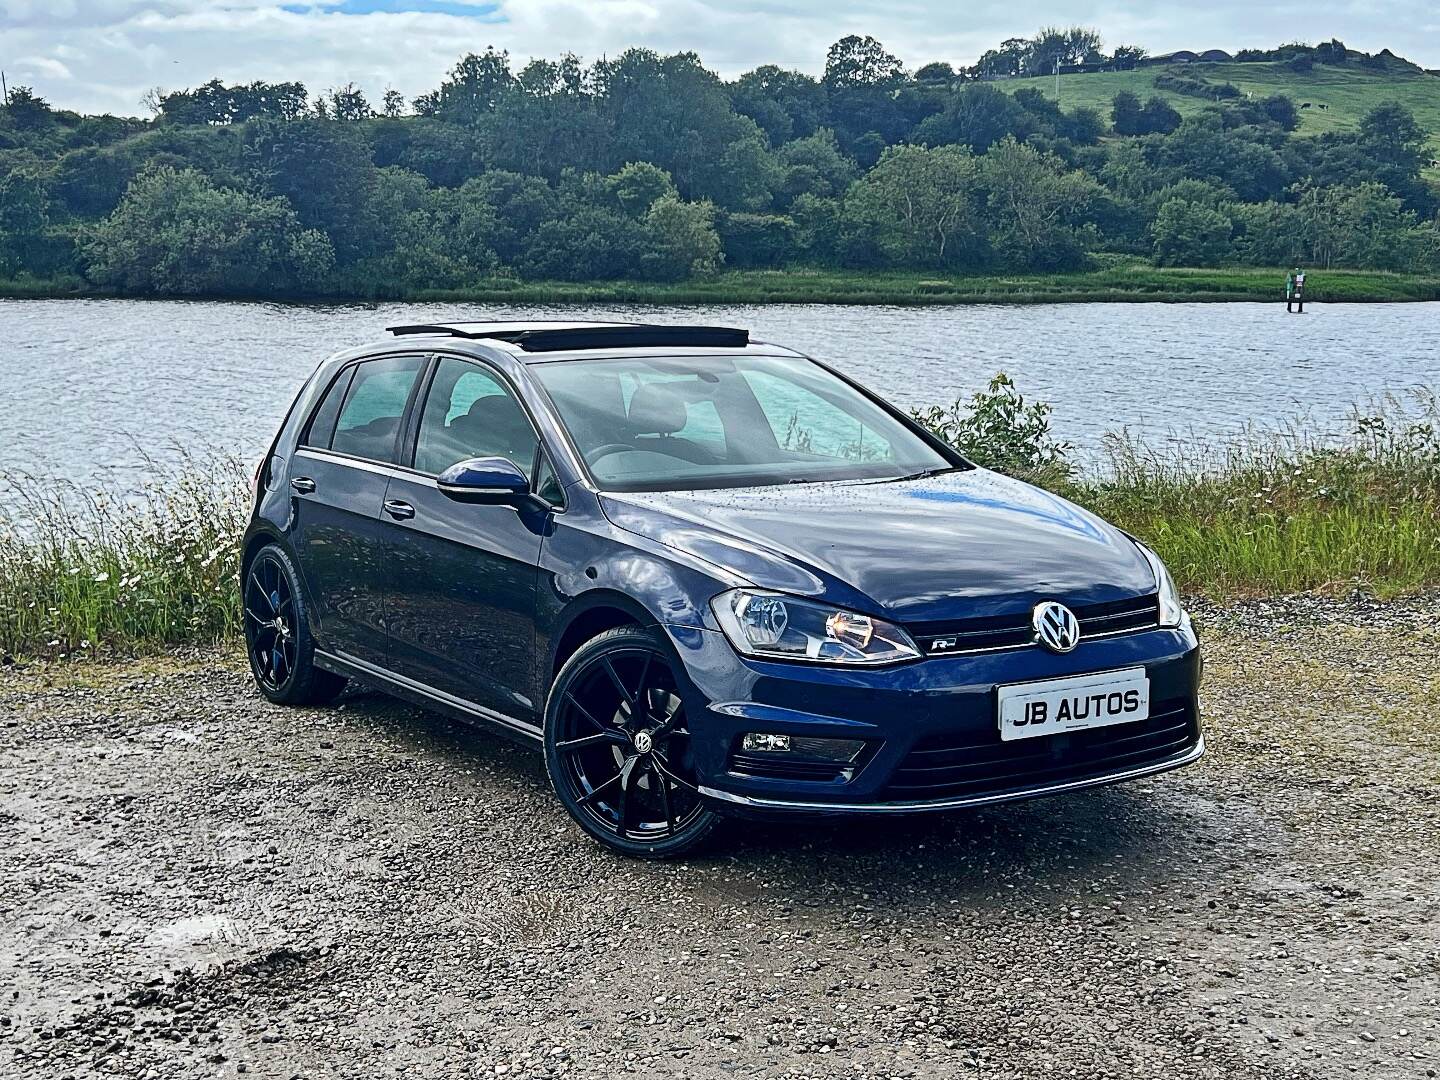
x=91 y=387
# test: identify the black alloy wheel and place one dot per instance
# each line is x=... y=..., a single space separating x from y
x=618 y=747
x=277 y=635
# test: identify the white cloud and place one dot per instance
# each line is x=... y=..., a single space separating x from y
x=101 y=55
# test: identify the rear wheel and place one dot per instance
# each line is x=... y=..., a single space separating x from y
x=618 y=747
x=277 y=634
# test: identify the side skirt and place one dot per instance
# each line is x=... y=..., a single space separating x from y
x=428 y=697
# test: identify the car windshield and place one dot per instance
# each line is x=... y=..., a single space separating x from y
x=679 y=423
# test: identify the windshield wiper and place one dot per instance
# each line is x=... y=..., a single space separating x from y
x=921 y=475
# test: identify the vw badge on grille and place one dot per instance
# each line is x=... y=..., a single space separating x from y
x=1056 y=626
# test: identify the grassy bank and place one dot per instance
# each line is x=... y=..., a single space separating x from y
x=1120 y=282
x=1277 y=513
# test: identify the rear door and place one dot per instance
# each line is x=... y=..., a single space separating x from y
x=461 y=611
x=338 y=478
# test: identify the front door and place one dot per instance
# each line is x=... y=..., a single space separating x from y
x=338 y=478
x=461 y=608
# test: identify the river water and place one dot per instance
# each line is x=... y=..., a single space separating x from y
x=94 y=388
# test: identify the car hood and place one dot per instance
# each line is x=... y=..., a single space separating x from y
x=963 y=544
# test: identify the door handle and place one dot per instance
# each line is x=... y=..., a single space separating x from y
x=303 y=484
x=398 y=510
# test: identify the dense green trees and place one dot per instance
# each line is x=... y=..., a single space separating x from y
x=917 y=207
x=1037 y=205
x=176 y=232
x=649 y=167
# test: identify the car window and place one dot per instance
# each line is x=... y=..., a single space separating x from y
x=470 y=413
x=803 y=421
x=664 y=423
x=321 y=427
x=547 y=484
x=370 y=418
x=703 y=426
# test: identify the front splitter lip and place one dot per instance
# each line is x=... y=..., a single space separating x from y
x=752 y=802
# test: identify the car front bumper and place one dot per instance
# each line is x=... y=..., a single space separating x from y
x=929 y=728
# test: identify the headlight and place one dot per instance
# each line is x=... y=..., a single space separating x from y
x=1170 y=610
x=772 y=625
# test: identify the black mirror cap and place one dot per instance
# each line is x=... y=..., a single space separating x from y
x=491 y=481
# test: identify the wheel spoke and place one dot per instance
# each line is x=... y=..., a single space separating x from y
x=595 y=793
x=668 y=728
x=665 y=772
x=250 y=614
x=259 y=586
x=663 y=787
x=570 y=746
x=627 y=788
x=575 y=704
x=640 y=699
x=615 y=678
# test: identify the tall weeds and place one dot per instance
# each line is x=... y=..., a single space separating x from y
x=82 y=572
x=1288 y=511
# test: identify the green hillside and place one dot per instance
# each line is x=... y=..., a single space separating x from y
x=1349 y=91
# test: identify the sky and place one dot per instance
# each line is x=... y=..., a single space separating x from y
x=103 y=55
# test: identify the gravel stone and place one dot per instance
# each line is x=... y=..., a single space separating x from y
x=190 y=887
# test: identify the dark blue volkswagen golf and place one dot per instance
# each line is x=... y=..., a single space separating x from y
x=708 y=576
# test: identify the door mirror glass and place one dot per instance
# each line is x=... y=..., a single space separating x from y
x=490 y=481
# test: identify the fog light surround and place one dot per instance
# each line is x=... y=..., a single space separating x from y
x=809 y=748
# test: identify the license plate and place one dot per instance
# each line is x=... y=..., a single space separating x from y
x=1077 y=703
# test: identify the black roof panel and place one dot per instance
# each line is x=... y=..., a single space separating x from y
x=574 y=337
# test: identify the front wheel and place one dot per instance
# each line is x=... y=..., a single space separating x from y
x=618 y=747
x=277 y=634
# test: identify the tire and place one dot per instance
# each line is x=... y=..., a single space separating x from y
x=618 y=747
x=277 y=633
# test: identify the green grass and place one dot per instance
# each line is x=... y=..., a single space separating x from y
x=1349 y=90
x=1282 y=513
x=1116 y=280
x=83 y=576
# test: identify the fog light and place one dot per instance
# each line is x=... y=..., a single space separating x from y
x=760 y=740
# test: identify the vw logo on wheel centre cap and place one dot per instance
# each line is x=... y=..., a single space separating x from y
x=1056 y=626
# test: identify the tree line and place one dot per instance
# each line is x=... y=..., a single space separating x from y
x=651 y=167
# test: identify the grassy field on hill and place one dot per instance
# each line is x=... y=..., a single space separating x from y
x=1349 y=91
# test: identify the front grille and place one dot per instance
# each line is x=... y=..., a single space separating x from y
x=959 y=765
x=960 y=636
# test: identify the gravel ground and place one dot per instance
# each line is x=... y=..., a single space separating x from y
x=194 y=883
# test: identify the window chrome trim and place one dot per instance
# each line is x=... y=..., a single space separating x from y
x=380 y=468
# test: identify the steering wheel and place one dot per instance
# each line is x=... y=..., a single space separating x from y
x=607 y=450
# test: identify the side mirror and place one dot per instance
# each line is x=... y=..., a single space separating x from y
x=490 y=481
